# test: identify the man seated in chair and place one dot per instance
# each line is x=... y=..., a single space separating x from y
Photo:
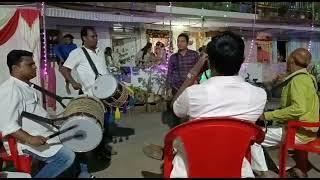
x=17 y=95
x=299 y=101
x=225 y=94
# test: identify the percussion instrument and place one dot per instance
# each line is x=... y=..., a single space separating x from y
x=87 y=113
x=110 y=91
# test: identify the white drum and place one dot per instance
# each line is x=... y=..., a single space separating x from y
x=110 y=91
x=104 y=86
x=85 y=137
x=87 y=113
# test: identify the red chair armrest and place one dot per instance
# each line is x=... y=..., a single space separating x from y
x=295 y=124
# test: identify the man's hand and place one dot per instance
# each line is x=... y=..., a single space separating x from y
x=76 y=86
x=199 y=65
x=280 y=77
x=37 y=140
x=67 y=88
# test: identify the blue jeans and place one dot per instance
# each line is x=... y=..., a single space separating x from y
x=55 y=164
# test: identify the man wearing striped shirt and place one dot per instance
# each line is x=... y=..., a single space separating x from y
x=180 y=64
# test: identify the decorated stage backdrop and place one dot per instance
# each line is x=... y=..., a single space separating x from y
x=19 y=29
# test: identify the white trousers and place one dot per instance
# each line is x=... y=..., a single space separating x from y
x=180 y=171
x=273 y=137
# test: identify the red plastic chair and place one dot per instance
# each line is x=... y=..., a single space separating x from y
x=22 y=163
x=214 y=147
x=301 y=150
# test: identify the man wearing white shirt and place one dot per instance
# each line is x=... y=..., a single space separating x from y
x=78 y=61
x=17 y=95
x=226 y=94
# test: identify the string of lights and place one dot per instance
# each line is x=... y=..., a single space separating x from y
x=44 y=41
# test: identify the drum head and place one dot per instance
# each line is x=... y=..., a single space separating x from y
x=85 y=137
x=104 y=86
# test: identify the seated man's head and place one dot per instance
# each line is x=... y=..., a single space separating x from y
x=226 y=53
x=300 y=58
x=21 y=65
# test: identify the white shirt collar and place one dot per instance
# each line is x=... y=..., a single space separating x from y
x=20 y=82
x=96 y=50
x=226 y=79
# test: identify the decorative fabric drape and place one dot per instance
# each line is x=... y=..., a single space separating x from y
x=19 y=29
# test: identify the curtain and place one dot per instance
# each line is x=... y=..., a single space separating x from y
x=18 y=33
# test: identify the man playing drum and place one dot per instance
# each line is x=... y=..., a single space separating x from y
x=78 y=61
x=17 y=95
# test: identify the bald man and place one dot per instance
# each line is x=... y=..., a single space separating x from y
x=299 y=101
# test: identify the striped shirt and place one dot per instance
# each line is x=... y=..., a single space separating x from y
x=179 y=66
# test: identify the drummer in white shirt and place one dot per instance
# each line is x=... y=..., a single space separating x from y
x=226 y=94
x=16 y=96
x=78 y=61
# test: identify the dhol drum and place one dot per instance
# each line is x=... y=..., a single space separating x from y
x=110 y=91
x=86 y=113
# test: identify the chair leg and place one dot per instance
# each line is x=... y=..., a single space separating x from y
x=302 y=162
x=24 y=164
x=282 y=161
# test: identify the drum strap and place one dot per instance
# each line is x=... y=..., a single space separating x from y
x=48 y=93
x=91 y=62
x=41 y=119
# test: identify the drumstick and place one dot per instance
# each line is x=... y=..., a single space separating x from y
x=61 y=132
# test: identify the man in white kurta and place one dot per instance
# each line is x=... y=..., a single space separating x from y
x=224 y=95
x=17 y=95
x=219 y=96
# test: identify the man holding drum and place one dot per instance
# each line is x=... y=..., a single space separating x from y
x=79 y=60
x=17 y=95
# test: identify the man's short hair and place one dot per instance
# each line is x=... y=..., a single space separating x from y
x=226 y=53
x=14 y=57
x=84 y=31
x=185 y=36
x=68 y=36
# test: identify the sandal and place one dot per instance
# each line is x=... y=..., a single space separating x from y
x=153 y=151
x=295 y=173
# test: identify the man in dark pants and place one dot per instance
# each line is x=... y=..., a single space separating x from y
x=180 y=64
